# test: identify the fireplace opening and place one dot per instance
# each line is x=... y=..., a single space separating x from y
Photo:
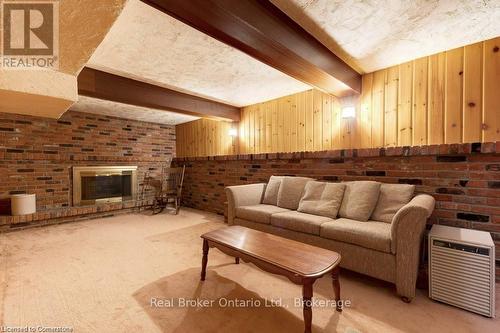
x=103 y=184
x=100 y=187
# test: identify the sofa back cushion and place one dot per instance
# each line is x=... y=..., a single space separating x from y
x=321 y=198
x=360 y=198
x=272 y=188
x=392 y=197
x=290 y=192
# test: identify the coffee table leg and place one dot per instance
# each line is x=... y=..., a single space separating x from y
x=307 y=293
x=237 y=260
x=336 y=287
x=204 y=260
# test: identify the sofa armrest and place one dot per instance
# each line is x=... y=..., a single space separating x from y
x=243 y=195
x=407 y=229
x=409 y=222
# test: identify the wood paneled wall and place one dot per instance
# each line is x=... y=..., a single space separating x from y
x=449 y=97
x=205 y=137
x=306 y=121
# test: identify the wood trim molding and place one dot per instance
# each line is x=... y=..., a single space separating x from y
x=263 y=31
x=102 y=85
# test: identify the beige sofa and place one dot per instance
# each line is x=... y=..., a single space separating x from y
x=388 y=250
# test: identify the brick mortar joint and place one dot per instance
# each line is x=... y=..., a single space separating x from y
x=103 y=159
x=403 y=151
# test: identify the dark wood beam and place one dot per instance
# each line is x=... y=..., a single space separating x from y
x=263 y=31
x=102 y=85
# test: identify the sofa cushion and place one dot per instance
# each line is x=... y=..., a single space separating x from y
x=392 y=197
x=290 y=191
x=297 y=221
x=321 y=198
x=360 y=198
x=372 y=235
x=258 y=213
x=272 y=188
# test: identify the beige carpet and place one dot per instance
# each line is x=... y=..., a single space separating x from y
x=101 y=276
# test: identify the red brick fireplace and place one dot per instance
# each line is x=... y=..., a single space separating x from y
x=37 y=156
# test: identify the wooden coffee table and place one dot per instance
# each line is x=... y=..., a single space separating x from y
x=301 y=263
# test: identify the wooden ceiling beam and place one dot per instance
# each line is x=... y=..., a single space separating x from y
x=102 y=85
x=261 y=30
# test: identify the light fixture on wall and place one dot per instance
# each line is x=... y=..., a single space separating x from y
x=348 y=112
x=233 y=132
x=365 y=108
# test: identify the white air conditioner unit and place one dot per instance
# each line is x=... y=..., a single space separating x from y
x=462 y=268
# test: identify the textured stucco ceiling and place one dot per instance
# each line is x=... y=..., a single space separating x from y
x=120 y=110
x=375 y=34
x=83 y=23
x=150 y=46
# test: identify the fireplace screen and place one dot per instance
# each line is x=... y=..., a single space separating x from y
x=100 y=187
x=103 y=184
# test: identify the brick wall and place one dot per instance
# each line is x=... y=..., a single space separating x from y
x=36 y=156
x=464 y=178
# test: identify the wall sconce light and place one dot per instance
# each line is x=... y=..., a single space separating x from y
x=233 y=132
x=365 y=108
x=348 y=112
